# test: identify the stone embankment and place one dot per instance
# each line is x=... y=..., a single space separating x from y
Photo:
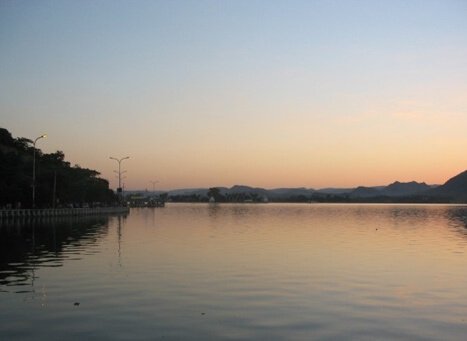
x=60 y=212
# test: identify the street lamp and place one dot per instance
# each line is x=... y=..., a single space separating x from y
x=34 y=170
x=119 y=189
x=154 y=182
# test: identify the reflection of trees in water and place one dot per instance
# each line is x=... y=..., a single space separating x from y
x=29 y=244
x=457 y=216
x=405 y=215
x=410 y=216
x=213 y=210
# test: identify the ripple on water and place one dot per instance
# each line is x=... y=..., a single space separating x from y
x=278 y=272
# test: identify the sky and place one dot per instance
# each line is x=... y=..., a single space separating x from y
x=263 y=93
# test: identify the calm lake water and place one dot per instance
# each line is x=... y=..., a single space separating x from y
x=264 y=272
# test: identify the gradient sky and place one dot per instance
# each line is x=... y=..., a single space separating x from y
x=263 y=93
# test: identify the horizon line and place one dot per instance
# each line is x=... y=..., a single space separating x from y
x=273 y=188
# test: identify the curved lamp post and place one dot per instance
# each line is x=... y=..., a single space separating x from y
x=34 y=170
x=119 y=189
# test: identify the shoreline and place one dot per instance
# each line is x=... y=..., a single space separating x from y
x=58 y=212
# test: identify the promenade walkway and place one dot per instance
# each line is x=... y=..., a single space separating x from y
x=50 y=212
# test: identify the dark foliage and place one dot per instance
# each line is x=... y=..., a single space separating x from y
x=73 y=185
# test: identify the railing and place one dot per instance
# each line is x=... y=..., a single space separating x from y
x=50 y=212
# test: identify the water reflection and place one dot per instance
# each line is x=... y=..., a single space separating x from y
x=29 y=244
x=458 y=216
x=240 y=271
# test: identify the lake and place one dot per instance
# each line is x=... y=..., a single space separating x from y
x=238 y=272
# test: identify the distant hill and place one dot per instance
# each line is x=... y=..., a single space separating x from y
x=236 y=190
x=454 y=189
x=365 y=192
x=289 y=192
x=276 y=193
x=402 y=189
x=395 y=190
x=189 y=191
x=335 y=191
x=244 y=189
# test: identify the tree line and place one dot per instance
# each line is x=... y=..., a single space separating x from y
x=58 y=184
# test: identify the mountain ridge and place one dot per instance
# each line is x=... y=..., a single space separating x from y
x=453 y=190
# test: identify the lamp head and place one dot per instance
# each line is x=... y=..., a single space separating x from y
x=39 y=137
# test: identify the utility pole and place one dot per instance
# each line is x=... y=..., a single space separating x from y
x=119 y=189
x=55 y=190
x=154 y=182
x=34 y=170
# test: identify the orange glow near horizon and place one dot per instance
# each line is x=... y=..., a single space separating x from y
x=203 y=94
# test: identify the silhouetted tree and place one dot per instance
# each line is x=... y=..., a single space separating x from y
x=73 y=184
x=214 y=192
x=163 y=197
